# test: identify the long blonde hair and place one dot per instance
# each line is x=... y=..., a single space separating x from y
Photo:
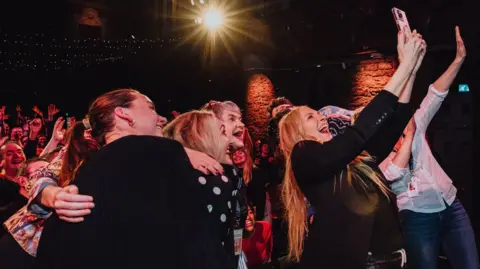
x=198 y=130
x=291 y=132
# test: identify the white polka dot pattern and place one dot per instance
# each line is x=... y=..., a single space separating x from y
x=223 y=218
x=225 y=179
x=210 y=208
x=217 y=190
x=202 y=180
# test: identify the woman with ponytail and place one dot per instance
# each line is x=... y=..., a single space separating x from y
x=355 y=225
x=146 y=205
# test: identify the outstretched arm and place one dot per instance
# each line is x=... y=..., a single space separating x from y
x=446 y=79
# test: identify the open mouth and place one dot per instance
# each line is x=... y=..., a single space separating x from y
x=15 y=162
x=323 y=129
x=248 y=223
x=238 y=134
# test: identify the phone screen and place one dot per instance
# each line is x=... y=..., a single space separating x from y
x=401 y=19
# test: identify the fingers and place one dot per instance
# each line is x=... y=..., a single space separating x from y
x=74 y=198
x=71 y=220
x=401 y=38
x=203 y=169
x=457 y=33
x=59 y=123
x=73 y=213
x=71 y=189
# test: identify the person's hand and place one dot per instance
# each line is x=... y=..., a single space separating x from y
x=204 y=163
x=37 y=111
x=411 y=50
x=401 y=39
x=71 y=206
x=35 y=126
x=58 y=131
x=461 y=50
x=421 y=56
x=71 y=121
x=52 y=111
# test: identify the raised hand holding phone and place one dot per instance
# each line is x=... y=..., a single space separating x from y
x=401 y=19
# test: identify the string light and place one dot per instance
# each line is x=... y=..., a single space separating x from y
x=37 y=52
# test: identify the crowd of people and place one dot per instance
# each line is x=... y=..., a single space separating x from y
x=329 y=188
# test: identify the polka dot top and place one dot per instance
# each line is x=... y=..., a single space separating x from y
x=220 y=194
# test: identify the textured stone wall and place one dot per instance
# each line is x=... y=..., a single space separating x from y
x=370 y=78
x=260 y=93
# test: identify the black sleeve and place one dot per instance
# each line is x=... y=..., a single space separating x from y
x=314 y=160
x=8 y=191
x=382 y=143
x=30 y=149
x=256 y=193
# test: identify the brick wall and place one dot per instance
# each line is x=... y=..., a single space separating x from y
x=260 y=93
x=371 y=76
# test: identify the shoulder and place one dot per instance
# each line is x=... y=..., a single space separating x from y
x=146 y=144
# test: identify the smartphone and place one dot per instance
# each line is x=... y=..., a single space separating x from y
x=401 y=19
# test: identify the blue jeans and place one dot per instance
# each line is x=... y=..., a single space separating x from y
x=424 y=233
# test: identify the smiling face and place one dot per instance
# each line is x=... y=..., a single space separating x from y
x=250 y=221
x=13 y=157
x=239 y=157
x=314 y=124
x=234 y=128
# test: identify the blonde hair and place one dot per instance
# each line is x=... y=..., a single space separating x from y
x=220 y=107
x=291 y=132
x=249 y=156
x=198 y=130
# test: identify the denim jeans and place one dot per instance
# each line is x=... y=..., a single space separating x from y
x=451 y=229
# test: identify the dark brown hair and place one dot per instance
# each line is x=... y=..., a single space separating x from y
x=278 y=102
x=101 y=119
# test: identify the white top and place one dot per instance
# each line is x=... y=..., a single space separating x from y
x=431 y=184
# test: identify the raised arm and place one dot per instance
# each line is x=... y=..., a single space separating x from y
x=384 y=140
x=438 y=91
x=57 y=137
x=445 y=80
x=398 y=167
x=313 y=160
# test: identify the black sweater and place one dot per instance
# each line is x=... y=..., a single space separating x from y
x=343 y=233
x=148 y=212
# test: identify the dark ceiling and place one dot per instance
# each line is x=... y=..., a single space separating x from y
x=307 y=33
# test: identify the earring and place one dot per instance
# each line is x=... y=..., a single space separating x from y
x=131 y=123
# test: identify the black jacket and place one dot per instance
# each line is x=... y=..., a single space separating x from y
x=342 y=233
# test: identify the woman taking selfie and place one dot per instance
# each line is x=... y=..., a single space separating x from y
x=355 y=224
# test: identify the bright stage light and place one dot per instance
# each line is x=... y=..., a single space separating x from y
x=213 y=19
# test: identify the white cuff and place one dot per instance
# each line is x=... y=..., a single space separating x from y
x=437 y=92
x=393 y=172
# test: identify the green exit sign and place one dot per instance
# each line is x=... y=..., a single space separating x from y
x=463 y=88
